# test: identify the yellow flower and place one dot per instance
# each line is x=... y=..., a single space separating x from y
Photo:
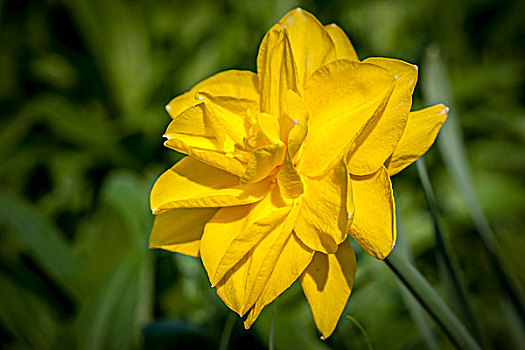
x=284 y=163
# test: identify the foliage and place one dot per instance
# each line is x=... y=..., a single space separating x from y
x=82 y=93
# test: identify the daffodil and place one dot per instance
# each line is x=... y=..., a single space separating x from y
x=284 y=164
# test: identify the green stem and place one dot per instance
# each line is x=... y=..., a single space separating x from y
x=227 y=332
x=432 y=303
x=271 y=338
x=448 y=262
x=437 y=87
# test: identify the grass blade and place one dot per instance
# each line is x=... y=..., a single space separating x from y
x=428 y=298
x=448 y=263
x=437 y=88
x=45 y=242
x=419 y=317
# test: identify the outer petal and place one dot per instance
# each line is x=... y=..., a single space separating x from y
x=311 y=45
x=242 y=284
x=180 y=230
x=191 y=184
x=342 y=98
x=291 y=263
x=327 y=283
x=323 y=219
x=374 y=223
x=378 y=141
x=234 y=231
x=420 y=132
x=343 y=46
x=233 y=83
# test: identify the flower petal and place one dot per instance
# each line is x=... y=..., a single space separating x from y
x=191 y=184
x=290 y=264
x=327 y=283
x=342 y=98
x=199 y=132
x=297 y=120
x=217 y=159
x=239 y=250
x=276 y=69
x=270 y=127
x=378 y=141
x=232 y=83
x=234 y=231
x=180 y=230
x=343 y=47
x=420 y=132
x=311 y=45
x=289 y=179
x=323 y=219
x=374 y=223
x=263 y=161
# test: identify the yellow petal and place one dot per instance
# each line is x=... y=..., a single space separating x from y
x=289 y=179
x=226 y=124
x=270 y=127
x=297 y=116
x=327 y=283
x=239 y=249
x=180 y=230
x=263 y=162
x=198 y=132
x=277 y=70
x=343 y=46
x=217 y=159
x=323 y=219
x=341 y=98
x=311 y=45
x=291 y=262
x=227 y=235
x=233 y=83
x=420 y=132
x=374 y=222
x=191 y=183
x=378 y=141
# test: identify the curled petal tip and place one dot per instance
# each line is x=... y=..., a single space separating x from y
x=445 y=110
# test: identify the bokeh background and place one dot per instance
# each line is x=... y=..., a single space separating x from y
x=83 y=85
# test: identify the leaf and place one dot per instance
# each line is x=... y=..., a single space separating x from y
x=45 y=243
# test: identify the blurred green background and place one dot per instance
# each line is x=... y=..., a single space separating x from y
x=82 y=90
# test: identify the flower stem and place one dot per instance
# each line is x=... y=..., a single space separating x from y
x=448 y=263
x=271 y=337
x=227 y=332
x=428 y=298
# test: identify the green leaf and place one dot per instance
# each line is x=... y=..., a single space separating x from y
x=25 y=317
x=45 y=243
